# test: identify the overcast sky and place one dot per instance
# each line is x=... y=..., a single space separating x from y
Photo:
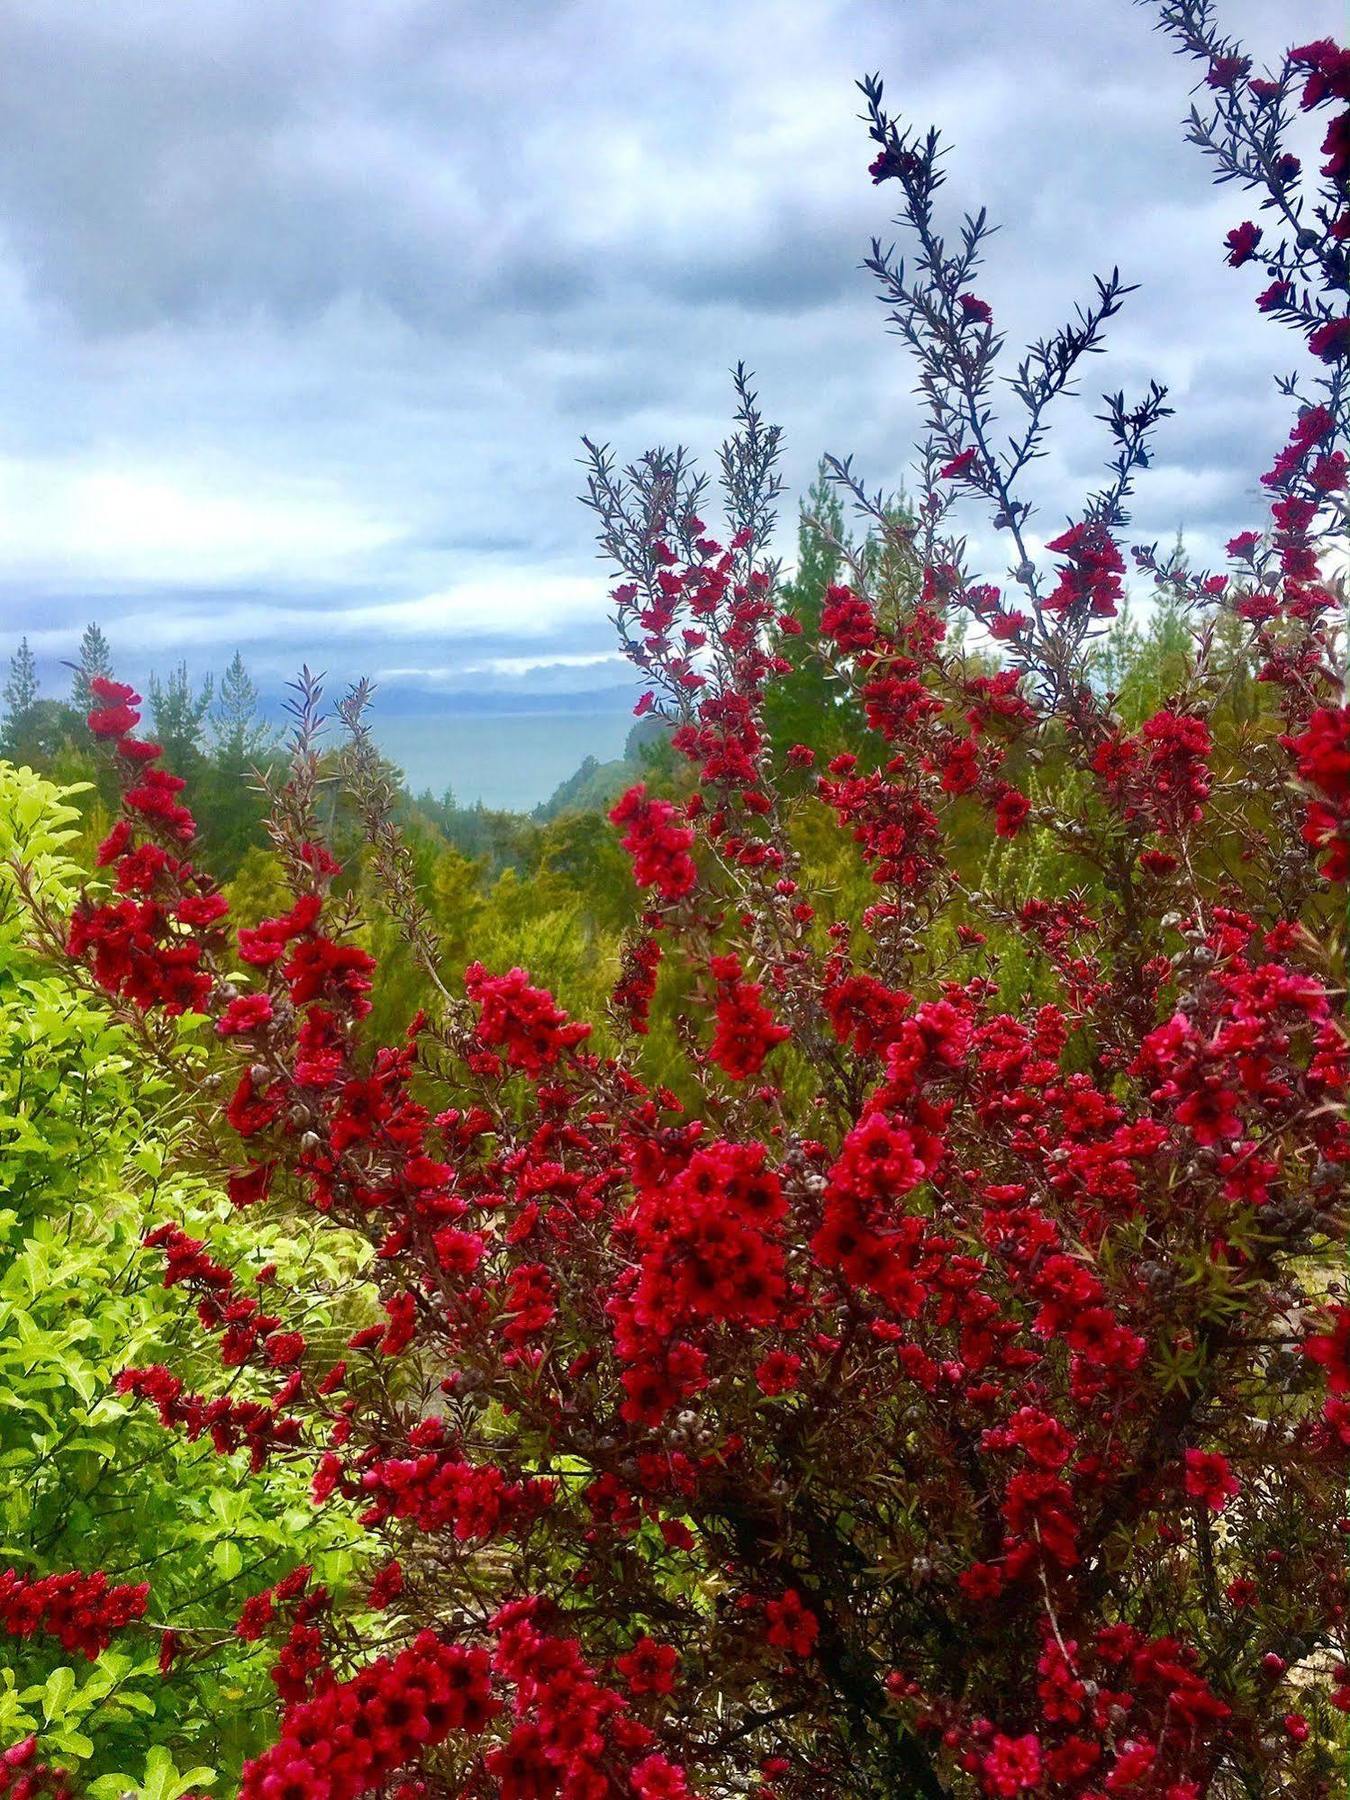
x=303 y=308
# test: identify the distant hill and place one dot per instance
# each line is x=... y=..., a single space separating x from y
x=595 y=786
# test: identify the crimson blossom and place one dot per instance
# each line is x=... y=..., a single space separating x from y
x=947 y=1390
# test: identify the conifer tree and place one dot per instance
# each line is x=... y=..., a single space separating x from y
x=180 y=714
x=21 y=698
x=95 y=659
x=240 y=738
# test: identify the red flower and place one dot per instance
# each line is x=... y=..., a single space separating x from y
x=246 y=1013
x=778 y=1372
x=649 y=1667
x=792 y=1624
x=891 y=165
x=1331 y=340
x=1012 y=1765
x=1227 y=71
x=1209 y=1478
x=1242 y=241
x=1331 y=1350
x=253 y=1108
x=1011 y=813
x=1004 y=626
x=656 y=1778
x=1278 y=294
x=960 y=466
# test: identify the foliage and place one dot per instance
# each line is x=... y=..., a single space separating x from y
x=88 y=1143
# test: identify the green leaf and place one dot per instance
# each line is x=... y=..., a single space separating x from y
x=73 y=1743
x=163 y=1779
x=228 y=1558
x=60 y=1685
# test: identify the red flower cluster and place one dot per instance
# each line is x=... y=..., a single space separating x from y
x=82 y=1612
x=116 y=716
x=314 y=966
x=746 y=1030
x=24 y=1776
x=658 y=846
x=230 y=1424
x=521 y=1021
x=1322 y=753
x=1242 y=241
x=709 y=1253
x=848 y=622
x=1291 y=468
x=440 y=1492
x=1122 y=1711
x=1089 y=579
x=571 y=1734
x=353 y=1735
x=635 y=989
x=1161 y=777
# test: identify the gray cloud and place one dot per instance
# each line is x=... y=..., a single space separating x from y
x=304 y=309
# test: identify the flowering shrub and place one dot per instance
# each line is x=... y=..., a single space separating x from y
x=946 y=1391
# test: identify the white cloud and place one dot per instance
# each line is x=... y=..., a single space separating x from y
x=115 y=521
x=505 y=665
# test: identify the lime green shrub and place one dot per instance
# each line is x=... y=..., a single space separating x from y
x=87 y=1480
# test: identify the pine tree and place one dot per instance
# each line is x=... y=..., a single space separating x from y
x=21 y=699
x=95 y=659
x=179 y=716
x=820 y=531
x=38 y=732
x=796 y=704
x=240 y=738
x=240 y=741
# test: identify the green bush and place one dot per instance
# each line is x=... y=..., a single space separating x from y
x=87 y=1480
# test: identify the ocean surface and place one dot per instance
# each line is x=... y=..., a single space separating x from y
x=508 y=760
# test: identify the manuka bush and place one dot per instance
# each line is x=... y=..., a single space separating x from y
x=947 y=1391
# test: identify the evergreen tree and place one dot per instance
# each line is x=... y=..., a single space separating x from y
x=820 y=531
x=796 y=705
x=95 y=659
x=240 y=738
x=39 y=733
x=21 y=698
x=179 y=716
x=240 y=742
